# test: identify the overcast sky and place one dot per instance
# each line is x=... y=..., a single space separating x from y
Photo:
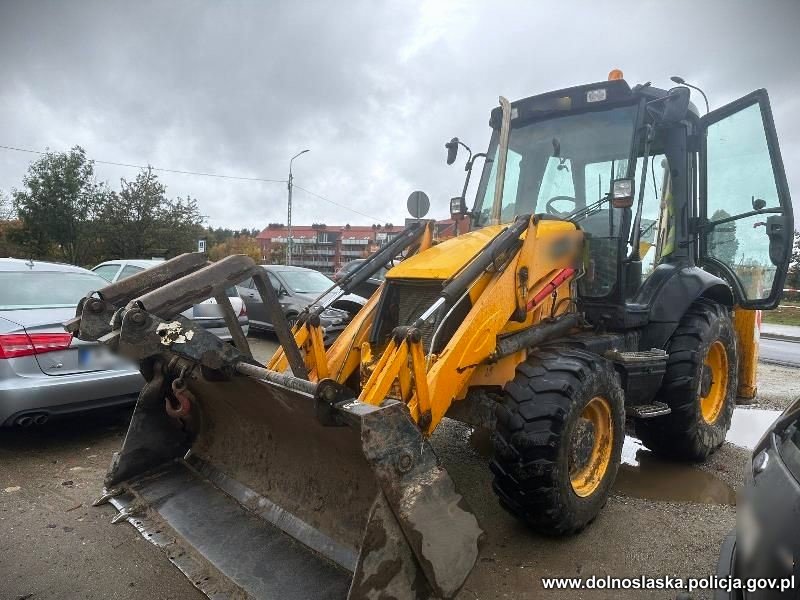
x=374 y=89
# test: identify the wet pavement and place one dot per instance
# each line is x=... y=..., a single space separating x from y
x=780 y=351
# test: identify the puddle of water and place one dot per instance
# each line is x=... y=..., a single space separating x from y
x=642 y=475
x=749 y=425
x=651 y=478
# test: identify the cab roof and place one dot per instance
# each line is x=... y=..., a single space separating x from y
x=575 y=99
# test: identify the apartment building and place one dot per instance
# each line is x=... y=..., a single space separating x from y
x=326 y=248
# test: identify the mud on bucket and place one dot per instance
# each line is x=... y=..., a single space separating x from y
x=252 y=494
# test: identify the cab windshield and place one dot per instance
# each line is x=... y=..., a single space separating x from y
x=559 y=166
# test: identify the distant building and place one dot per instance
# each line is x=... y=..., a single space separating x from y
x=326 y=248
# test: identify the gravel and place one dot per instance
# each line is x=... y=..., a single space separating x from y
x=777 y=387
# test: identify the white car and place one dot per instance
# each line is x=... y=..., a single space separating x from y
x=207 y=315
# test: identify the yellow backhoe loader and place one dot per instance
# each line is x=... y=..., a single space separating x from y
x=620 y=246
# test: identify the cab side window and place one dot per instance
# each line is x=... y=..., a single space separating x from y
x=745 y=208
x=658 y=217
x=740 y=177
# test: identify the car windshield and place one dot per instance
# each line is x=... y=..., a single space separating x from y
x=306 y=282
x=46 y=289
x=561 y=165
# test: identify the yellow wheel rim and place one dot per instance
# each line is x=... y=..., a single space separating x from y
x=588 y=467
x=714 y=382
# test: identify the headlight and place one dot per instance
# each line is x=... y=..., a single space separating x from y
x=333 y=314
x=760 y=462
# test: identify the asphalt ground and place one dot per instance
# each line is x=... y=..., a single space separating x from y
x=662 y=519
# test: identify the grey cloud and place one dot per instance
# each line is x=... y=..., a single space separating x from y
x=374 y=89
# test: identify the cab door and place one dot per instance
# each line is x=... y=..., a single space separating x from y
x=746 y=224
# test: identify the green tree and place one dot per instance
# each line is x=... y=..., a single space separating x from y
x=140 y=221
x=9 y=228
x=793 y=277
x=58 y=205
x=129 y=221
x=180 y=226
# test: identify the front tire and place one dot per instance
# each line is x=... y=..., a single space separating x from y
x=699 y=386
x=560 y=429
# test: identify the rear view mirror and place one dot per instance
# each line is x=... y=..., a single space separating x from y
x=671 y=108
x=776 y=231
x=676 y=105
x=452 y=150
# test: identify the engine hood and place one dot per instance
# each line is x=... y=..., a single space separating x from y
x=444 y=260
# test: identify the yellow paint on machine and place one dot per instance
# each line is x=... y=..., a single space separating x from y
x=746 y=324
x=446 y=259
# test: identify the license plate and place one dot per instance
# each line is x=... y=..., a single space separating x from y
x=95 y=357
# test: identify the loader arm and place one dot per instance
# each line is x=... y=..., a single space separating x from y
x=524 y=285
x=416 y=238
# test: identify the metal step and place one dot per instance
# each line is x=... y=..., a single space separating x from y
x=654 y=354
x=648 y=411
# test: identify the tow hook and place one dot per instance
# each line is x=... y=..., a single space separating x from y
x=183 y=398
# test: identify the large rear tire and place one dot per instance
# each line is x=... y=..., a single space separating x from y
x=560 y=429
x=699 y=386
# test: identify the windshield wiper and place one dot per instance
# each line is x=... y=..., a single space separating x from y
x=589 y=209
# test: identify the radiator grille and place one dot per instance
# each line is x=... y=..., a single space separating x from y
x=404 y=302
x=413 y=299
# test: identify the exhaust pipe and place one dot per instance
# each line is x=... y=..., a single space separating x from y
x=32 y=419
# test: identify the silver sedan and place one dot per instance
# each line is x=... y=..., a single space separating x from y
x=44 y=371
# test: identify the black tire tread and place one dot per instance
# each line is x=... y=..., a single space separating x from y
x=680 y=435
x=536 y=406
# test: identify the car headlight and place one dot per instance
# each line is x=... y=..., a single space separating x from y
x=333 y=314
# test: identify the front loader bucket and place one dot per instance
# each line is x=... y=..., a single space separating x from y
x=260 y=484
x=252 y=496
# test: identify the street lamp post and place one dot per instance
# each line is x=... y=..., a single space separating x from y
x=289 y=211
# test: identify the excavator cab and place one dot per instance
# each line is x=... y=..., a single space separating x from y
x=656 y=188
